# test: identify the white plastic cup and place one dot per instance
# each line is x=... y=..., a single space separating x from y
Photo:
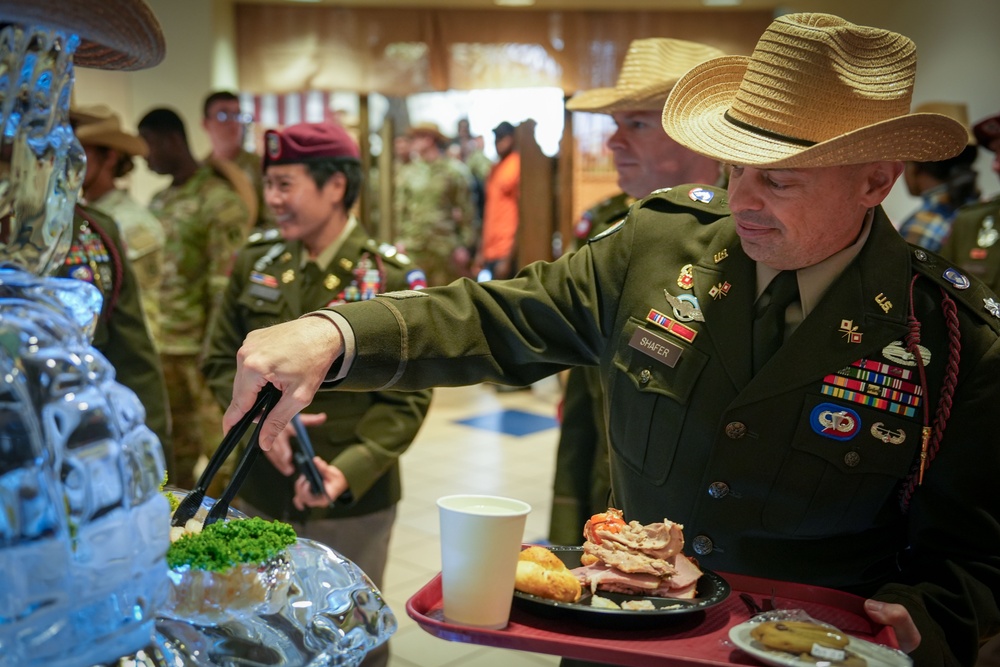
x=481 y=538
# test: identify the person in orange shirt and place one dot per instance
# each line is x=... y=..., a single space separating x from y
x=498 y=250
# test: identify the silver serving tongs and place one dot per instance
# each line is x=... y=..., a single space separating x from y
x=266 y=399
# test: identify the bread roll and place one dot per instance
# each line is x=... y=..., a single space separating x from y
x=541 y=573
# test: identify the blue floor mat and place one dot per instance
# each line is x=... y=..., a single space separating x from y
x=511 y=422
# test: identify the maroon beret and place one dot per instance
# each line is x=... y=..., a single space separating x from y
x=309 y=142
x=987 y=130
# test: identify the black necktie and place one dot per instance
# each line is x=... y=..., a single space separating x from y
x=769 y=317
x=312 y=287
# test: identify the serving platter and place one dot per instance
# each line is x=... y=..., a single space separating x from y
x=712 y=590
x=859 y=650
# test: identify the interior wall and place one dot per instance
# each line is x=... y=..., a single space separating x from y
x=956 y=45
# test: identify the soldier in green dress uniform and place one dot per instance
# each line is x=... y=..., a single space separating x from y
x=321 y=255
x=646 y=160
x=810 y=396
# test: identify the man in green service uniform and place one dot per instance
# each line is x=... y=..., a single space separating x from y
x=321 y=255
x=972 y=245
x=858 y=456
x=206 y=222
x=646 y=159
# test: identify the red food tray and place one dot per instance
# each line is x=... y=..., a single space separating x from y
x=701 y=639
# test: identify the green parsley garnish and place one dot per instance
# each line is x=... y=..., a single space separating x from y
x=225 y=544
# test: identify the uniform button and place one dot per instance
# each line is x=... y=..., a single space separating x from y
x=852 y=459
x=718 y=489
x=921 y=255
x=702 y=545
x=736 y=430
x=644 y=376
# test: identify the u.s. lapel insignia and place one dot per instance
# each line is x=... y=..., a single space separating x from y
x=671 y=326
x=885 y=435
x=285 y=257
x=897 y=352
x=288 y=276
x=955 y=277
x=883 y=302
x=686 y=278
x=720 y=290
x=992 y=307
x=346 y=264
x=331 y=282
x=685 y=307
x=850 y=331
x=721 y=255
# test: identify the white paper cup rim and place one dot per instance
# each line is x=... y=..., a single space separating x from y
x=466 y=503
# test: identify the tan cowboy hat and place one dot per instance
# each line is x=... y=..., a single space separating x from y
x=114 y=34
x=239 y=180
x=650 y=69
x=428 y=129
x=817 y=91
x=955 y=110
x=98 y=125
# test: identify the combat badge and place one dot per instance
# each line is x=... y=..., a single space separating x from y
x=897 y=352
x=685 y=307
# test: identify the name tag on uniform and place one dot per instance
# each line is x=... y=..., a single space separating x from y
x=263 y=292
x=657 y=347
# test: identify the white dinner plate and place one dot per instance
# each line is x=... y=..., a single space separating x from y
x=875 y=655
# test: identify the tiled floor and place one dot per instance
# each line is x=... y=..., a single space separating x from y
x=505 y=447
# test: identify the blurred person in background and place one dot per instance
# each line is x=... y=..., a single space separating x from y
x=206 y=222
x=110 y=157
x=226 y=127
x=498 y=245
x=943 y=186
x=434 y=208
x=646 y=159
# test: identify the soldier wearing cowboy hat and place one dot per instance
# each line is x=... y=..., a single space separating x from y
x=830 y=429
x=646 y=159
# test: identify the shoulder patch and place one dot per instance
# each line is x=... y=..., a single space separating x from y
x=708 y=203
x=969 y=291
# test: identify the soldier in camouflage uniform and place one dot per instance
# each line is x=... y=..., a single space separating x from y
x=434 y=208
x=319 y=255
x=97 y=256
x=206 y=222
x=646 y=159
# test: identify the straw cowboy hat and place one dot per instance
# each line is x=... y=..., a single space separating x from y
x=428 y=129
x=114 y=34
x=817 y=91
x=956 y=110
x=99 y=126
x=650 y=69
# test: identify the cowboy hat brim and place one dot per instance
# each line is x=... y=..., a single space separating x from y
x=114 y=34
x=695 y=116
x=119 y=141
x=613 y=100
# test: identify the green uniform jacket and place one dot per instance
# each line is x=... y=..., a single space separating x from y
x=365 y=432
x=97 y=256
x=769 y=475
x=972 y=245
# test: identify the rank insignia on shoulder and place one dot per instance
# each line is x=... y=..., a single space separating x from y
x=992 y=307
x=264 y=236
x=388 y=250
x=404 y=294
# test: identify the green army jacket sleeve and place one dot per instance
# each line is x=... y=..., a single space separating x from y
x=795 y=473
x=365 y=434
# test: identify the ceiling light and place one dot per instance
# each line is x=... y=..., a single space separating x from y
x=514 y=3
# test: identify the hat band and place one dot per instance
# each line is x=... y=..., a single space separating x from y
x=767 y=133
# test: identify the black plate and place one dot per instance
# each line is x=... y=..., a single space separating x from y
x=712 y=589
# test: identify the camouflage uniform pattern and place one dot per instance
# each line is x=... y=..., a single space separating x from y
x=434 y=213
x=97 y=256
x=206 y=223
x=251 y=165
x=972 y=245
x=144 y=241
